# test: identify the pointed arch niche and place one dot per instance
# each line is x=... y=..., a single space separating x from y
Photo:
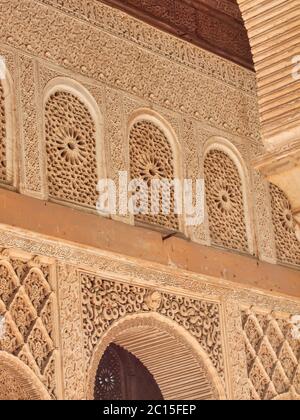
x=228 y=197
x=155 y=152
x=73 y=144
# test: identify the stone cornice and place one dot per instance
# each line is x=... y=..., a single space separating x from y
x=208 y=24
x=279 y=160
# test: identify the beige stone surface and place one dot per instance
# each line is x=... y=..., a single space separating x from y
x=78 y=98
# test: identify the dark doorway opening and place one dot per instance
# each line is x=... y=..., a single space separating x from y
x=122 y=376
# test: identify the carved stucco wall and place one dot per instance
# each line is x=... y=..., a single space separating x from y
x=273 y=32
x=106 y=302
x=92 y=302
x=212 y=98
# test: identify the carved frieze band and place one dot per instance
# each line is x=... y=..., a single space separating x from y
x=106 y=18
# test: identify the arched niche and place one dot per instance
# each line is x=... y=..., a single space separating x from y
x=149 y=116
x=77 y=91
x=179 y=365
x=225 y=146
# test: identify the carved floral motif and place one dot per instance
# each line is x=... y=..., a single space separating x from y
x=104 y=302
x=71 y=150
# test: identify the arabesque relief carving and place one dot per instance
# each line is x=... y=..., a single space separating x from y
x=103 y=17
x=229 y=106
x=104 y=302
x=202 y=96
x=231 y=113
x=101 y=302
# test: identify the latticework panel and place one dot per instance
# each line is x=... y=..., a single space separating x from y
x=273 y=356
x=71 y=150
x=287 y=245
x=27 y=303
x=225 y=202
x=151 y=158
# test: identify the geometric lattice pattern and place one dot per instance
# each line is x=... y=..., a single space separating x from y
x=151 y=158
x=273 y=357
x=27 y=305
x=71 y=150
x=225 y=202
x=3 y=163
x=287 y=245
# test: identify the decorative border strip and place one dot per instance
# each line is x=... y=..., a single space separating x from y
x=159 y=42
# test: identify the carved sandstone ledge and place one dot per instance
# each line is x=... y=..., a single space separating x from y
x=282 y=168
